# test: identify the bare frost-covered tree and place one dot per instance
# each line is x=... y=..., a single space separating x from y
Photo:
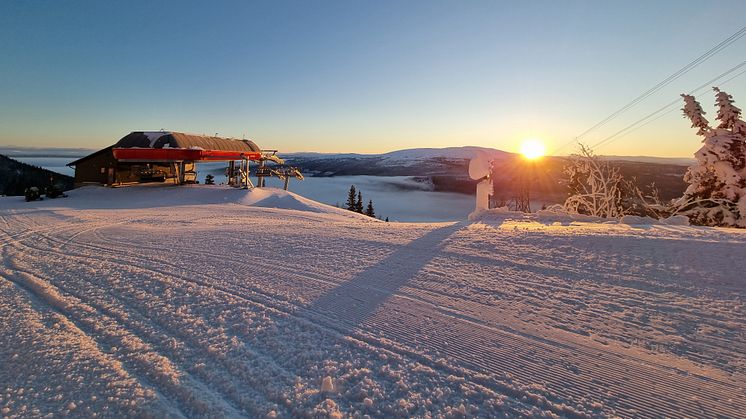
x=596 y=188
x=716 y=195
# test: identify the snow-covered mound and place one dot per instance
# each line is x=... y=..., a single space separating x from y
x=212 y=302
x=165 y=195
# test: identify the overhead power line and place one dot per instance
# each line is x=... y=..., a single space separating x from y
x=668 y=108
x=668 y=80
x=699 y=60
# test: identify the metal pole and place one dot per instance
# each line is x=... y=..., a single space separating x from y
x=260 y=175
x=246 y=171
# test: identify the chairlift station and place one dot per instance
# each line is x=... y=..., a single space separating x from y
x=165 y=156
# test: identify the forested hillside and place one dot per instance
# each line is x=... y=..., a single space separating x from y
x=15 y=177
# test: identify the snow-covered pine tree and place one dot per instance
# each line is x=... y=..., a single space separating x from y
x=716 y=195
x=351 y=195
x=729 y=114
x=694 y=112
x=369 y=210
x=359 y=202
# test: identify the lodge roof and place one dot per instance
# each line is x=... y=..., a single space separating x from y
x=164 y=139
x=170 y=139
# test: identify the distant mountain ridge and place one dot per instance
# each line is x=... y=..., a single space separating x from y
x=465 y=152
x=468 y=152
x=461 y=152
x=73 y=153
x=428 y=161
x=680 y=161
x=445 y=169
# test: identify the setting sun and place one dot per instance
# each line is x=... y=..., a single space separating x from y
x=532 y=149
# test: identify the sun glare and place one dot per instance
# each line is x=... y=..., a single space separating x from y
x=532 y=149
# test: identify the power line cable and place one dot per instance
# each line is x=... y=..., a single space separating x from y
x=702 y=58
x=673 y=109
x=635 y=125
x=668 y=80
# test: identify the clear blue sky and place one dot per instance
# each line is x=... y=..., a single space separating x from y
x=355 y=76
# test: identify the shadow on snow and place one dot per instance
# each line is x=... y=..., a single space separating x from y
x=355 y=300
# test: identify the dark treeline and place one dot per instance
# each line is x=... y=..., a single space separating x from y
x=355 y=203
x=16 y=176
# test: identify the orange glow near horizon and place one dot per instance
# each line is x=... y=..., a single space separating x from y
x=533 y=149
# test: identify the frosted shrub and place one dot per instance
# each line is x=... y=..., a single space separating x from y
x=595 y=186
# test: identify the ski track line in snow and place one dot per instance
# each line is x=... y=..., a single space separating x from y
x=128 y=321
x=285 y=310
x=523 y=266
x=44 y=291
x=142 y=361
x=166 y=273
x=34 y=322
x=394 y=330
x=184 y=279
x=135 y=319
x=344 y=313
x=714 y=320
x=41 y=293
x=306 y=276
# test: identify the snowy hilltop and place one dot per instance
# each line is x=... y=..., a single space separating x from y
x=210 y=301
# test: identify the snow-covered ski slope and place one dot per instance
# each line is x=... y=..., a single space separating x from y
x=207 y=301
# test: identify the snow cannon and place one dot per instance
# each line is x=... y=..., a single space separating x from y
x=480 y=168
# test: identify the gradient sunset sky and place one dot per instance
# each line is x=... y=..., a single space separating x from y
x=353 y=76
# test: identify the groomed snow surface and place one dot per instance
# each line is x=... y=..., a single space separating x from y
x=209 y=301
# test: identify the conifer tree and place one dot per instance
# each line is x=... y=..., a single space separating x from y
x=369 y=210
x=694 y=112
x=350 y=204
x=716 y=195
x=728 y=114
x=359 y=203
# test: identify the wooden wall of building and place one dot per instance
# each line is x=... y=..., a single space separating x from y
x=103 y=168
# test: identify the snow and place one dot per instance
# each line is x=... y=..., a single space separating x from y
x=483 y=195
x=209 y=301
x=157 y=195
x=153 y=136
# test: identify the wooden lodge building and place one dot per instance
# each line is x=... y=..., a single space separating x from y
x=143 y=156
